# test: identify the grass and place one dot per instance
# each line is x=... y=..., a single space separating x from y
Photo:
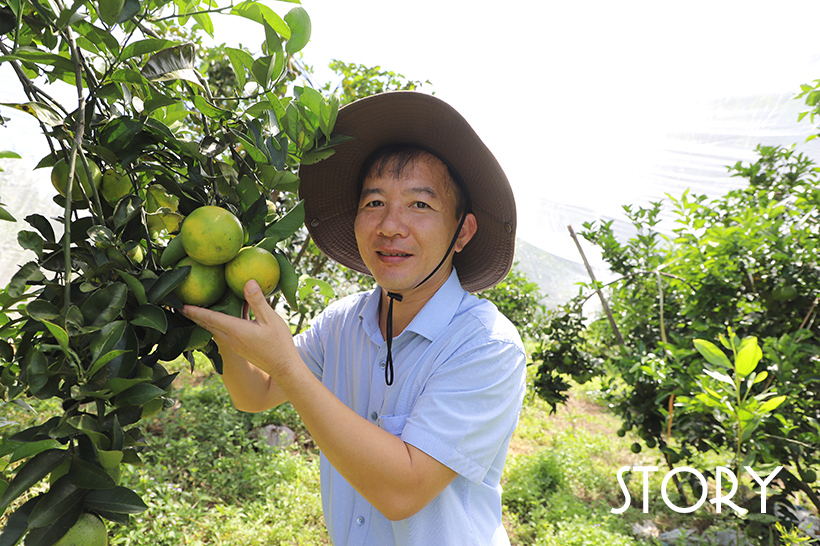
x=209 y=481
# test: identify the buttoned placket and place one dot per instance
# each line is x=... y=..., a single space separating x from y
x=363 y=511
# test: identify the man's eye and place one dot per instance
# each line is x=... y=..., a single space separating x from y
x=421 y=205
x=374 y=203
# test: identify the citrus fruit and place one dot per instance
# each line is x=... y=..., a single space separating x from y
x=115 y=186
x=59 y=178
x=212 y=235
x=252 y=263
x=88 y=531
x=203 y=286
x=809 y=475
x=635 y=447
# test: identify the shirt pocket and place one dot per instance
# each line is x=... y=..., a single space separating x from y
x=394 y=424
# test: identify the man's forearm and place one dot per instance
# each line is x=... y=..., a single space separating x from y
x=250 y=388
x=396 y=478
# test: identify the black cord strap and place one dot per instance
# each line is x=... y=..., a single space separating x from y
x=388 y=365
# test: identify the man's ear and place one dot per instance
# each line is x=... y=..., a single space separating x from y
x=467 y=231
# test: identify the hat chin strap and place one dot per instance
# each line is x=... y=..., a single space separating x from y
x=395 y=296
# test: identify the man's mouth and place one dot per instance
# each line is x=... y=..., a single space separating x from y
x=393 y=254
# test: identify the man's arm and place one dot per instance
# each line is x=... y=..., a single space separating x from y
x=251 y=389
x=396 y=478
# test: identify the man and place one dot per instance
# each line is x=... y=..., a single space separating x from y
x=411 y=391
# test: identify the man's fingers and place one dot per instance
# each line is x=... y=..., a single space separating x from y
x=210 y=320
x=257 y=302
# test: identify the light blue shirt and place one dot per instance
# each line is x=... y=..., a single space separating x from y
x=460 y=376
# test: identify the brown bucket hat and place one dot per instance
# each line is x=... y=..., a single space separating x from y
x=329 y=187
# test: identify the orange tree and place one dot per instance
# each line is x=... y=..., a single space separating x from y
x=90 y=321
x=746 y=262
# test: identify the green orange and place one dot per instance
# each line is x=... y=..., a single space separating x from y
x=88 y=531
x=212 y=235
x=203 y=286
x=59 y=178
x=252 y=263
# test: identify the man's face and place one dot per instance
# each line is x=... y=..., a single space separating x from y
x=405 y=225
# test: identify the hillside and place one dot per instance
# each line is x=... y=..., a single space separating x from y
x=556 y=277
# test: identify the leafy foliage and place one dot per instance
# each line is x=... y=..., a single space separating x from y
x=91 y=320
x=747 y=261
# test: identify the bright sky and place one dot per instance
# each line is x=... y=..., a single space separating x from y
x=578 y=100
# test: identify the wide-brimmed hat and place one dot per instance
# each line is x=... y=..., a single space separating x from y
x=329 y=187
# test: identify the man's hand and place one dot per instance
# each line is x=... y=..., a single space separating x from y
x=255 y=352
x=261 y=341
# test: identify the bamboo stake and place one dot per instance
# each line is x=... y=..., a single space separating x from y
x=597 y=289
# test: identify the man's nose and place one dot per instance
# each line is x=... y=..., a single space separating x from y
x=392 y=223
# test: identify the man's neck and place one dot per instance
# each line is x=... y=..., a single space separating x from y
x=412 y=302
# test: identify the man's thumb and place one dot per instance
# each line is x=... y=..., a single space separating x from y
x=255 y=298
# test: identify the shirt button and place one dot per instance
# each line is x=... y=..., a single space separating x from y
x=360 y=520
x=382 y=364
x=374 y=415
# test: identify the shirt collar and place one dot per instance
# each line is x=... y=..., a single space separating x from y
x=429 y=322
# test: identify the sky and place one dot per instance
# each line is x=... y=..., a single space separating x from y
x=587 y=105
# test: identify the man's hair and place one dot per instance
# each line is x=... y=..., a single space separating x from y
x=398 y=161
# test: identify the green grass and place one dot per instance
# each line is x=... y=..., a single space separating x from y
x=208 y=481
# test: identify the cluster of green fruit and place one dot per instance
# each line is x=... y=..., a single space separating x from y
x=212 y=242
x=112 y=185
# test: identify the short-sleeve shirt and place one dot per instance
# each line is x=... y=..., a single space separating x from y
x=459 y=382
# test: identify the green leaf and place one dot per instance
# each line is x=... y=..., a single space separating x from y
x=299 y=24
x=106 y=339
x=720 y=377
x=6 y=215
x=210 y=110
x=30 y=449
x=205 y=22
x=262 y=14
x=105 y=359
x=747 y=357
x=40 y=110
x=18 y=284
x=128 y=208
x=31 y=241
x=119 y=500
x=308 y=285
x=712 y=353
x=240 y=60
x=43 y=310
x=174 y=63
x=41 y=224
x=144 y=47
x=255 y=153
x=17 y=523
x=9 y=155
x=315 y=156
x=89 y=476
x=59 y=334
x=46 y=535
x=167 y=282
x=61 y=497
x=771 y=404
x=288 y=281
x=150 y=316
x=127 y=75
x=139 y=394
x=135 y=286
x=288 y=224
x=34 y=470
x=105 y=305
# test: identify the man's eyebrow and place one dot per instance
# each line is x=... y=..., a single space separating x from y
x=428 y=190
